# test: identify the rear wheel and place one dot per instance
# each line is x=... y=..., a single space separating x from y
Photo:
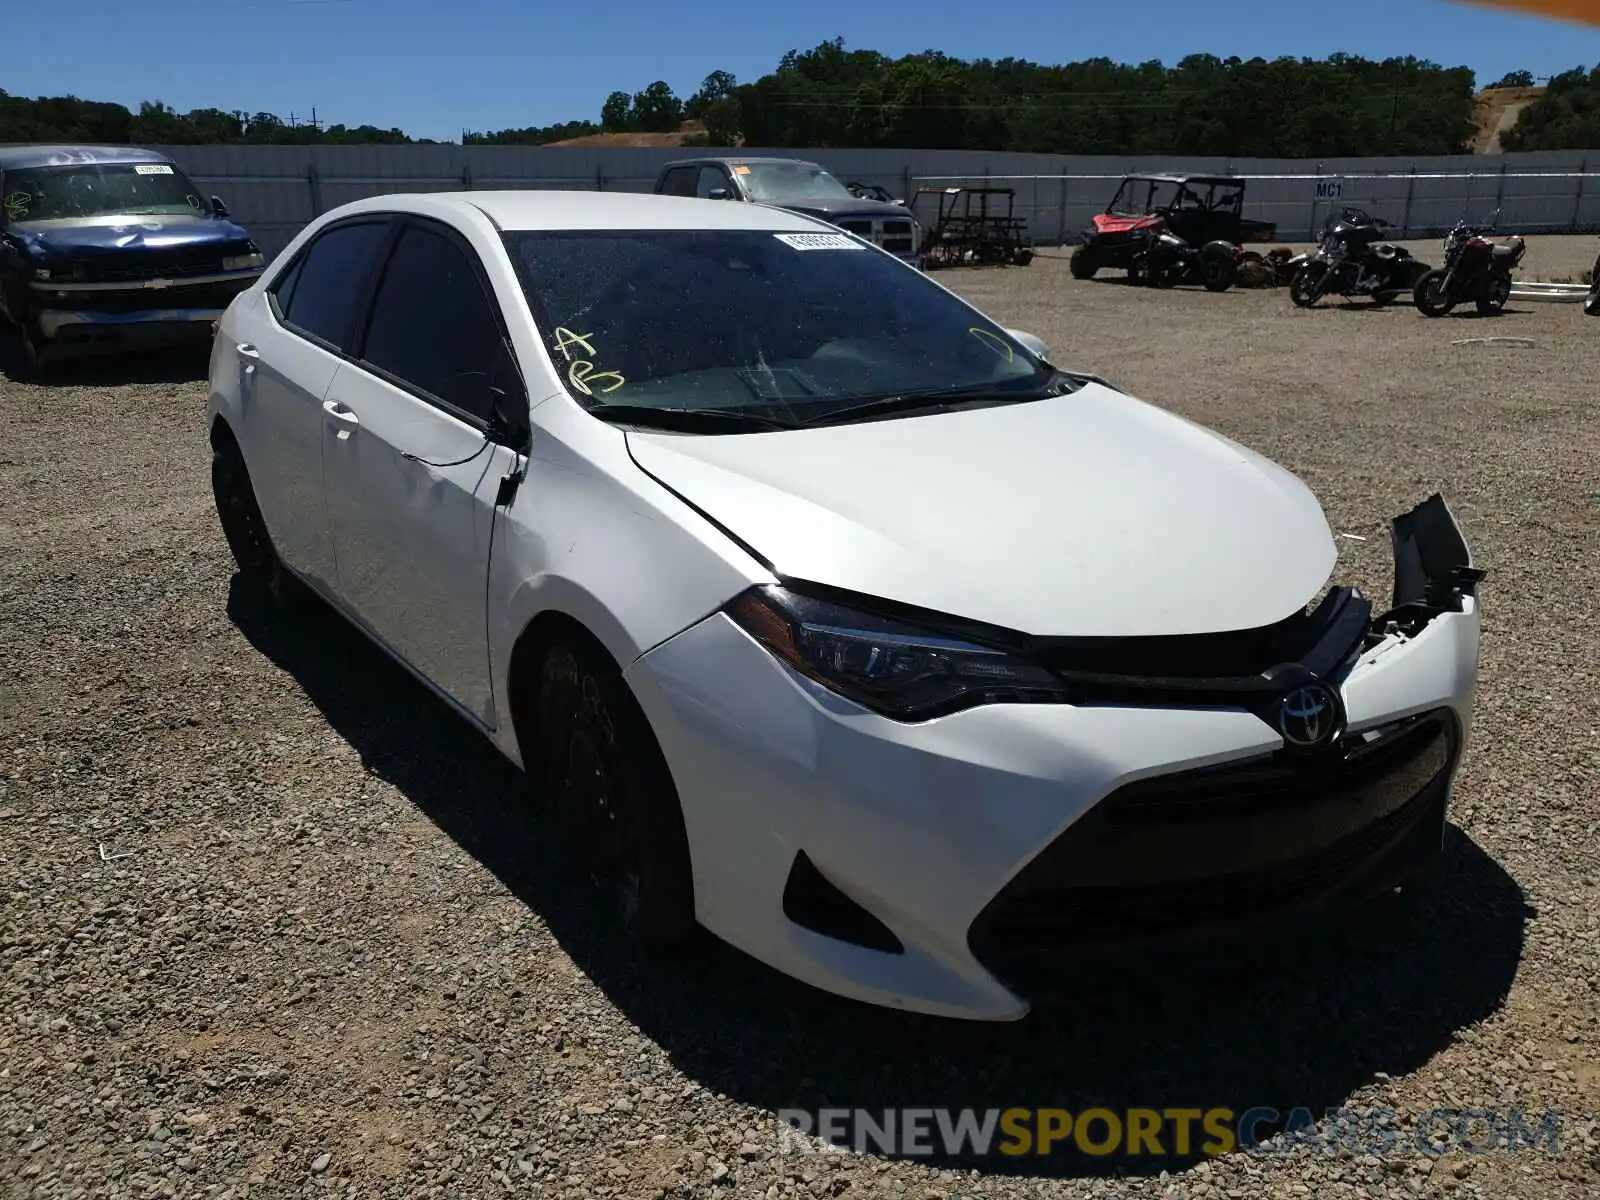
x=1493 y=301
x=1082 y=264
x=244 y=527
x=1432 y=296
x=611 y=790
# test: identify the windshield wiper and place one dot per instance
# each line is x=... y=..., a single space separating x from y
x=689 y=420
x=1060 y=383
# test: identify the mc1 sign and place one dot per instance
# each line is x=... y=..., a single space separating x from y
x=1329 y=189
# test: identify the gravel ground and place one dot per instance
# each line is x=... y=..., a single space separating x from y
x=275 y=924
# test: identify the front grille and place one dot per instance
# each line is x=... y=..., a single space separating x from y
x=203 y=295
x=894 y=235
x=138 y=264
x=1207 y=850
x=158 y=270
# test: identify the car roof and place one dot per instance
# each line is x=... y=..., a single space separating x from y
x=1176 y=177
x=20 y=157
x=537 y=209
x=739 y=160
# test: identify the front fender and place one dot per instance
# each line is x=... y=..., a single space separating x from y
x=591 y=537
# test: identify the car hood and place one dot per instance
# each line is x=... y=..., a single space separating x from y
x=847 y=207
x=1090 y=514
x=87 y=238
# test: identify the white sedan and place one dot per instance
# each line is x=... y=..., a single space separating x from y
x=832 y=616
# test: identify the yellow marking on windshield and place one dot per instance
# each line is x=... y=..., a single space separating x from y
x=582 y=375
x=565 y=338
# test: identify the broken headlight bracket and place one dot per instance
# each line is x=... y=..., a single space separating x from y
x=1433 y=569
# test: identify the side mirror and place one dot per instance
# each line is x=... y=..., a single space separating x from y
x=1032 y=343
x=218 y=207
x=508 y=405
x=718 y=194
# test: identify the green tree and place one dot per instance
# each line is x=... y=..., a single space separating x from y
x=616 y=115
x=657 y=109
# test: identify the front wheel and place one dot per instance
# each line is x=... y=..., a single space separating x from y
x=1218 y=275
x=1082 y=264
x=611 y=790
x=1495 y=294
x=1305 y=289
x=1432 y=295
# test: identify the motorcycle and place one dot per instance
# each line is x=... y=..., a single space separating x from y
x=1352 y=260
x=1166 y=260
x=1474 y=269
x=1591 y=304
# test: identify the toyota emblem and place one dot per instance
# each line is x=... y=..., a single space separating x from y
x=1310 y=716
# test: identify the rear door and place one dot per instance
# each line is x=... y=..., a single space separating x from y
x=410 y=471
x=288 y=346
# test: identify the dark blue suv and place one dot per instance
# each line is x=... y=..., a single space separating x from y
x=106 y=247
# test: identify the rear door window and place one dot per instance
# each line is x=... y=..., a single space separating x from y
x=326 y=289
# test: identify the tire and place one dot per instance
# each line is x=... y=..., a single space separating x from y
x=1496 y=292
x=1430 y=297
x=33 y=347
x=1082 y=264
x=1591 y=305
x=1139 y=271
x=1218 y=275
x=245 y=528
x=1303 y=287
x=605 y=776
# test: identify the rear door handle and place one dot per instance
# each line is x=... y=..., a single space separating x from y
x=339 y=412
x=246 y=350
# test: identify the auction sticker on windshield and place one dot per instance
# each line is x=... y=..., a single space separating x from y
x=819 y=241
x=152 y=169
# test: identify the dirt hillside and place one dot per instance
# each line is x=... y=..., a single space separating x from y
x=1498 y=110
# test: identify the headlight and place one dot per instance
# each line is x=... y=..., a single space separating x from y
x=244 y=262
x=41 y=272
x=890 y=667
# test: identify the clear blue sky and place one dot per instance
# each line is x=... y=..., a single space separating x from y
x=434 y=67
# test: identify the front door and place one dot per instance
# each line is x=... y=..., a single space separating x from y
x=411 y=476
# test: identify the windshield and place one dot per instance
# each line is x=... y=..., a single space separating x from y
x=99 y=190
x=1136 y=197
x=748 y=321
x=786 y=182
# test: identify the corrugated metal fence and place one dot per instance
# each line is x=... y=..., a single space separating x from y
x=275 y=190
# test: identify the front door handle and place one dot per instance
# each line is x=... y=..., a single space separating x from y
x=339 y=412
x=246 y=350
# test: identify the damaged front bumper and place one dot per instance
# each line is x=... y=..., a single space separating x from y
x=90 y=317
x=955 y=866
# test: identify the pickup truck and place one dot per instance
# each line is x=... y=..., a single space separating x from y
x=799 y=186
x=103 y=247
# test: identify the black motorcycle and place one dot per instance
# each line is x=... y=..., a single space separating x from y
x=1166 y=260
x=1591 y=303
x=1353 y=259
x=1475 y=269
